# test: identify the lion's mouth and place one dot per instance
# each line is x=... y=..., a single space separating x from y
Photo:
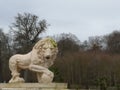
x=47 y=57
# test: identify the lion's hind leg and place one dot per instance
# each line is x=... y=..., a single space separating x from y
x=14 y=71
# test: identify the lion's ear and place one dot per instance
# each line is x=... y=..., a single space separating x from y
x=37 y=45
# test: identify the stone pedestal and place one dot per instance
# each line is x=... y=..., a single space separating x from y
x=33 y=86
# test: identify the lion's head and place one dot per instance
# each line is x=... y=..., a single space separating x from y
x=47 y=50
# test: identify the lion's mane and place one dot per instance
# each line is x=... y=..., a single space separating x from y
x=41 y=47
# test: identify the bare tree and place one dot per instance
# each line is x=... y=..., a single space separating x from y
x=26 y=30
x=95 y=43
x=67 y=43
x=113 y=42
x=4 y=55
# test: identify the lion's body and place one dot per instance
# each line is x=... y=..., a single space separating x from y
x=23 y=61
x=38 y=60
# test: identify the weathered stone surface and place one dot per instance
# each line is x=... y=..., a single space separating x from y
x=33 y=86
x=38 y=60
x=30 y=89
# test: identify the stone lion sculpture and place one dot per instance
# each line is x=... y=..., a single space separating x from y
x=38 y=60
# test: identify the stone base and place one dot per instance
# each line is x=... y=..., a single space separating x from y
x=33 y=86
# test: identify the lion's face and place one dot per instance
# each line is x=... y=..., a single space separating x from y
x=49 y=51
x=46 y=50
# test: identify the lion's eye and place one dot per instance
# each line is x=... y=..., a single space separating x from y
x=51 y=48
x=44 y=48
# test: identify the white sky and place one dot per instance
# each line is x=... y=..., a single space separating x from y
x=83 y=18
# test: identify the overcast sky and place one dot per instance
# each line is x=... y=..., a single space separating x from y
x=83 y=18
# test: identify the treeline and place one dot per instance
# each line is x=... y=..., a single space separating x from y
x=94 y=62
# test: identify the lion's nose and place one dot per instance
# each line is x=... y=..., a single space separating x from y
x=47 y=57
